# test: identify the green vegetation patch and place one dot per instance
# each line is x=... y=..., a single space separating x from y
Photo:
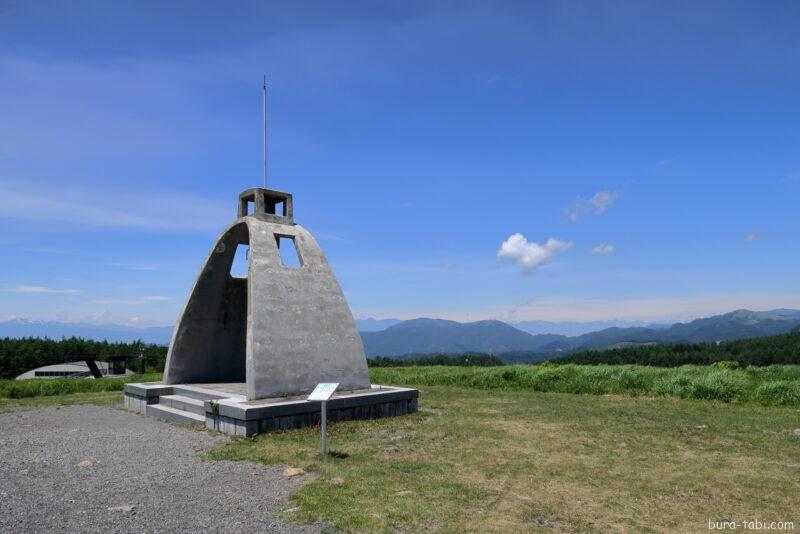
x=20 y=355
x=772 y=385
x=759 y=351
x=457 y=360
x=43 y=387
x=521 y=461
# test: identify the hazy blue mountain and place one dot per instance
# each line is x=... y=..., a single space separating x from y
x=428 y=336
x=738 y=324
x=568 y=328
x=782 y=312
x=734 y=325
x=375 y=325
x=109 y=332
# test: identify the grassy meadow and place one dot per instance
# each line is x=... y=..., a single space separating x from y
x=46 y=387
x=775 y=385
x=520 y=461
x=565 y=448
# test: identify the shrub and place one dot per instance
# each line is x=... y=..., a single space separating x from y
x=18 y=389
x=674 y=385
x=773 y=385
x=458 y=360
x=783 y=393
x=727 y=364
x=720 y=385
x=510 y=374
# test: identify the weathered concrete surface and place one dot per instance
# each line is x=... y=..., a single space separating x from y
x=281 y=330
x=220 y=406
x=208 y=343
x=100 y=469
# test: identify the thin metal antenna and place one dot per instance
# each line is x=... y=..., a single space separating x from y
x=265 y=130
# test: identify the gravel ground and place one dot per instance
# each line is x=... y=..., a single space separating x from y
x=102 y=469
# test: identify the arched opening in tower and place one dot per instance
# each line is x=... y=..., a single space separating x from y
x=230 y=343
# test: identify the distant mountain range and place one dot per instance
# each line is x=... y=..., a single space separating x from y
x=395 y=338
x=375 y=325
x=569 y=328
x=565 y=328
x=426 y=336
x=160 y=335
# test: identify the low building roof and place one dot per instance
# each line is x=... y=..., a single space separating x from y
x=65 y=369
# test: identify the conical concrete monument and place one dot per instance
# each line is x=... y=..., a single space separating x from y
x=281 y=329
x=246 y=351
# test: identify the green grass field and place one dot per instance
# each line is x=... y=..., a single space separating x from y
x=517 y=461
x=776 y=385
x=45 y=387
x=514 y=449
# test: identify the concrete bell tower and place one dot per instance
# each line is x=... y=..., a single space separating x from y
x=281 y=329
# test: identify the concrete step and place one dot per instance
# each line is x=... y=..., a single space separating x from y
x=197 y=393
x=168 y=413
x=181 y=402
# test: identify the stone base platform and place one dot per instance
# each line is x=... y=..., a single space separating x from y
x=223 y=407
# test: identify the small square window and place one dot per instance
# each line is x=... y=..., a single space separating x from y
x=288 y=251
x=246 y=206
x=276 y=208
x=239 y=266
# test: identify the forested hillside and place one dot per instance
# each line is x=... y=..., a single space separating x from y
x=780 y=349
x=450 y=360
x=436 y=336
x=20 y=355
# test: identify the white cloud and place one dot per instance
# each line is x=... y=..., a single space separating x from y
x=134 y=266
x=578 y=309
x=792 y=177
x=597 y=204
x=529 y=255
x=603 y=249
x=132 y=301
x=164 y=211
x=39 y=289
x=656 y=309
x=753 y=236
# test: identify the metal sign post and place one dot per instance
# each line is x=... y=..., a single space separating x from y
x=323 y=392
x=323 y=427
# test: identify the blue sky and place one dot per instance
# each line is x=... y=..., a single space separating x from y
x=648 y=154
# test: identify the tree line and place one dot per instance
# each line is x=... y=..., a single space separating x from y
x=455 y=360
x=20 y=355
x=781 y=349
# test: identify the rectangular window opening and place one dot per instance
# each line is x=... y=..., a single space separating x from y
x=288 y=251
x=240 y=257
x=246 y=206
x=277 y=208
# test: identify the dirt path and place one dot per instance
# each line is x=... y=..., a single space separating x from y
x=101 y=469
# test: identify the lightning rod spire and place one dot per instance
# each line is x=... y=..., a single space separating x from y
x=264 y=91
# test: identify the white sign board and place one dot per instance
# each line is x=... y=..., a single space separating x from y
x=323 y=391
